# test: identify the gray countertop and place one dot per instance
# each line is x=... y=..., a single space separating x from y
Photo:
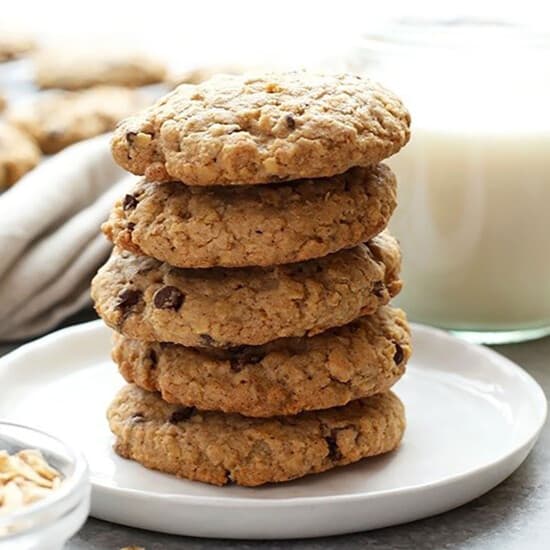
x=515 y=515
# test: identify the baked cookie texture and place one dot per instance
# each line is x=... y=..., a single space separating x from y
x=247 y=129
x=18 y=154
x=283 y=377
x=220 y=307
x=61 y=119
x=253 y=225
x=222 y=448
x=14 y=45
x=76 y=70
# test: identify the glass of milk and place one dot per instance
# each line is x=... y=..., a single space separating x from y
x=474 y=182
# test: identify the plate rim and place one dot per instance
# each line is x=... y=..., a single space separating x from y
x=223 y=501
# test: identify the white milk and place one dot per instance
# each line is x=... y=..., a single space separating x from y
x=474 y=182
x=474 y=224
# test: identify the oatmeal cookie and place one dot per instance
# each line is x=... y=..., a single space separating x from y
x=263 y=128
x=283 y=377
x=253 y=225
x=219 y=448
x=225 y=307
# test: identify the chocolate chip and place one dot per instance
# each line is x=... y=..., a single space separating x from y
x=399 y=355
x=290 y=122
x=168 y=297
x=259 y=232
x=334 y=453
x=152 y=357
x=128 y=298
x=138 y=418
x=129 y=202
x=131 y=226
x=236 y=365
x=207 y=340
x=181 y=414
x=244 y=356
x=378 y=289
x=229 y=478
x=130 y=136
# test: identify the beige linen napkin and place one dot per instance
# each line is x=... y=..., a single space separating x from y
x=50 y=243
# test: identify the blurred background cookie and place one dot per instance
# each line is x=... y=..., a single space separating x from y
x=76 y=70
x=63 y=118
x=18 y=154
x=14 y=45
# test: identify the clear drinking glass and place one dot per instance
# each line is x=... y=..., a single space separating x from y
x=474 y=182
x=48 y=523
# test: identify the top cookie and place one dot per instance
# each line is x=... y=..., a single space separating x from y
x=77 y=70
x=247 y=129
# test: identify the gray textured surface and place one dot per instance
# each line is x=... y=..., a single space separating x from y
x=515 y=515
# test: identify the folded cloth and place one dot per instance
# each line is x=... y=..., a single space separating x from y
x=50 y=242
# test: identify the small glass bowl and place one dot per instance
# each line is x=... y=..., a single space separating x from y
x=48 y=523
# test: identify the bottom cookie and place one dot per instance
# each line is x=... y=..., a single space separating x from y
x=222 y=448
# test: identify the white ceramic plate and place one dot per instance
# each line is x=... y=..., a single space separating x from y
x=473 y=416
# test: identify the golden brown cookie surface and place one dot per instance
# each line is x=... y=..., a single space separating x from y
x=283 y=377
x=226 y=307
x=253 y=225
x=228 y=448
x=264 y=128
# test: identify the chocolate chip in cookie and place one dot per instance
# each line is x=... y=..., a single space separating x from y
x=290 y=122
x=245 y=355
x=168 y=297
x=129 y=202
x=399 y=355
x=182 y=414
x=334 y=453
x=128 y=298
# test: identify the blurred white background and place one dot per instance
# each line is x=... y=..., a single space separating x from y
x=186 y=34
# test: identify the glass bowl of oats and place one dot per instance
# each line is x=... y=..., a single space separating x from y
x=44 y=489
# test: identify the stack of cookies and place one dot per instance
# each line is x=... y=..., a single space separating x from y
x=249 y=283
